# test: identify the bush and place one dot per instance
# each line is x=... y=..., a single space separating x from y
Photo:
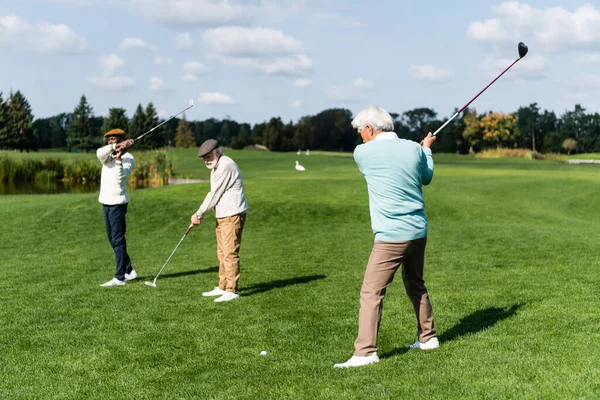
x=502 y=153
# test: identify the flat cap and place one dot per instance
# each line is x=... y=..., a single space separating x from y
x=208 y=146
x=115 y=132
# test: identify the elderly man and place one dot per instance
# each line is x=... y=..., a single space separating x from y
x=394 y=170
x=227 y=198
x=117 y=164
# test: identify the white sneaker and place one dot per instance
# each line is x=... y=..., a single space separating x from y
x=358 y=361
x=227 y=296
x=431 y=344
x=131 y=276
x=114 y=282
x=217 y=291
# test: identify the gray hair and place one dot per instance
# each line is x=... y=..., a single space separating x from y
x=379 y=119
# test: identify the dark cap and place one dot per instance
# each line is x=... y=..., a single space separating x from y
x=208 y=146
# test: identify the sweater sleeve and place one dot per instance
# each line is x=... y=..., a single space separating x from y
x=103 y=153
x=126 y=168
x=426 y=166
x=221 y=182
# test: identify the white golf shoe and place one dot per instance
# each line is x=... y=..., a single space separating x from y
x=217 y=291
x=358 y=361
x=227 y=296
x=114 y=282
x=131 y=276
x=431 y=344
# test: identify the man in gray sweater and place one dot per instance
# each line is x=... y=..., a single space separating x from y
x=117 y=164
x=227 y=198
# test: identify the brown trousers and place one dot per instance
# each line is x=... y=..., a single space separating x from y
x=229 y=237
x=385 y=260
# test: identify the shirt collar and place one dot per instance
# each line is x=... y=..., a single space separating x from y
x=386 y=136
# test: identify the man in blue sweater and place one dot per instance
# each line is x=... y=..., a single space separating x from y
x=395 y=169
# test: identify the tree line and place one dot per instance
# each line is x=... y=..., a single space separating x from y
x=80 y=130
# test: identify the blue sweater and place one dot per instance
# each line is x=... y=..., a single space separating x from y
x=395 y=170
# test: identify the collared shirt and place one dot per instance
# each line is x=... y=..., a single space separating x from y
x=226 y=194
x=395 y=170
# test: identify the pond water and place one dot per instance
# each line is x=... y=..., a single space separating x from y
x=46 y=188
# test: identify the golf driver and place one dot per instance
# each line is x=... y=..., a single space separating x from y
x=522 y=52
x=153 y=283
x=191 y=104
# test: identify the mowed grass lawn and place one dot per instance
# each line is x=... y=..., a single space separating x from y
x=512 y=267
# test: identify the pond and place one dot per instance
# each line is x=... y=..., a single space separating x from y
x=46 y=188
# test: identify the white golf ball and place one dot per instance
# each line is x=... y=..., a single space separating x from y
x=263 y=353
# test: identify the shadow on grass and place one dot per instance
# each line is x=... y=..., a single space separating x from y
x=266 y=286
x=184 y=273
x=472 y=323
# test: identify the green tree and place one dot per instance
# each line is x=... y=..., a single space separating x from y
x=80 y=132
x=117 y=118
x=473 y=133
x=4 y=137
x=20 y=123
x=527 y=118
x=137 y=124
x=184 y=138
x=273 y=135
x=155 y=139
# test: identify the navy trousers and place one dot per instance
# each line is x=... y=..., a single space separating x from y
x=114 y=219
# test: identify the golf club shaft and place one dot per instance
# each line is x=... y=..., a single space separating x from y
x=476 y=96
x=174 y=250
x=164 y=122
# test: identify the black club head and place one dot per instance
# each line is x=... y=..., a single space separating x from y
x=522 y=49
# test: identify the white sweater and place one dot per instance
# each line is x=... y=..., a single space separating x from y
x=113 y=181
x=226 y=194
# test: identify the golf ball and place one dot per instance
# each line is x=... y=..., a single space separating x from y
x=263 y=353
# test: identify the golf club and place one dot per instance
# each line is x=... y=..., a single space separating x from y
x=153 y=284
x=191 y=104
x=522 y=52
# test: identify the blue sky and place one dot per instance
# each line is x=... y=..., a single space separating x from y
x=254 y=59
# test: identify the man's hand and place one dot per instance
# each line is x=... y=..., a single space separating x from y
x=196 y=220
x=428 y=141
x=125 y=144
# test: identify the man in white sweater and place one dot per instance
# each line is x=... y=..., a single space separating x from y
x=117 y=164
x=227 y=198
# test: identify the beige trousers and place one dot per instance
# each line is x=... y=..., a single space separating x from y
x=385 y=260
x=229 y=237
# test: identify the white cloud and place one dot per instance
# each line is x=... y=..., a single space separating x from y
x=584 y=83
x=532 y=67
x=430 y=73
x=267 y=50
x=549 y=29
x=190 y=12
x=137 y=43
x=42 y=38
x=360 y=83
x=247 y=42
x=162 y=113
x=191 y=69
x=293 y=65
x=157 y=85
x=183 y=40
x=112 y=78
x=296 y=104
x=302 y=82
x=215 y=98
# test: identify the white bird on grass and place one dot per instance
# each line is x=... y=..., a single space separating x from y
x=307 y=152
x=299 y=152
x=299 y=167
